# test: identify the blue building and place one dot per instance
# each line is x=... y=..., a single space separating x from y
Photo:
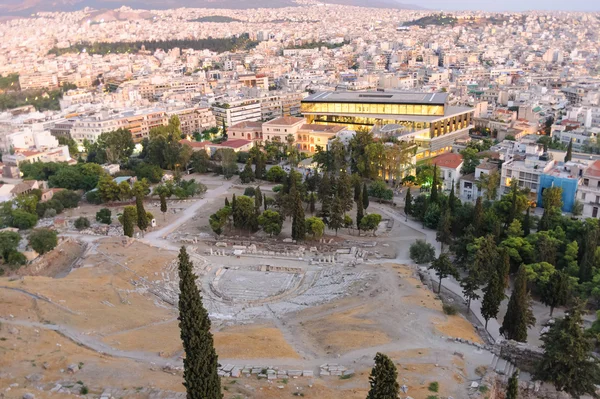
x=565 y=176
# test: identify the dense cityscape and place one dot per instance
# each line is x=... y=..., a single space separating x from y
x=316 y=200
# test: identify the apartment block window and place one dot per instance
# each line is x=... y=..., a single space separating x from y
x=586 y=182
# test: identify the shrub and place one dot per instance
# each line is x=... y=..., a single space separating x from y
x=151 y=172
x=16 y=259
x=277 y=188
x=82 y=223
x=249 y=191
x=93 y=197
x=23 y=220
x=422 y=252
x=449 y=309
x=43 y=240
x=84 y=390
x=276 y=174
x=49 y=213
x=104 y=216
x=434 y=386
x=68 y=198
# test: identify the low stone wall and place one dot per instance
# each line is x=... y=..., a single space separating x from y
x=523 y=356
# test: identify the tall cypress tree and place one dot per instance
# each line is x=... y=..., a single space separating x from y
x=163 y=205
x=200 y=364
x=265 y=206
x=258 y=199
x=512 y=213
x=518 y=315
x=383 y=379
x=142 y=218
x=512 y=391
x=233 y=208
x=569 y=154
x=478 y=218
x=568 y=362
x=408 y=203
x=452 y=199
x=365 y=197
x=359 y=211
x=434 y=186
x=227 y=201
x=556 y=291
x=336 y=221
x=493 y=295
x=444 y=230
x=527 y=224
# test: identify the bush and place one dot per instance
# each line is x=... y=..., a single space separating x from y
x=449 y=309
x=16 y=259
x=104 y=216
x=23 y=220
x=93 y=197
x=422 y=252
x=43 y=240
x=152 y=173
x=49 y=213
x=277 y=188
x=68 y=198
x=82 y=223
x=276 y=174
x=249 y=191
x=434 y=386
x=379 y=189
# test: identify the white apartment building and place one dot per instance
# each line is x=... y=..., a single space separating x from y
x=449 y=166
x=29 y=139
x=468 y=190
x=237 y=111
x=526 y=171
x=38 y=80
x=588 y=191
x=75 y=97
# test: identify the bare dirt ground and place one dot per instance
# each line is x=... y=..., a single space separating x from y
x=114 y=314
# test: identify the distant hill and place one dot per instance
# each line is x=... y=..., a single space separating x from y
x=28 y=7
x=376 y=4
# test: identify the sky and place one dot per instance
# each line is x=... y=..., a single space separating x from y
x=510 y=5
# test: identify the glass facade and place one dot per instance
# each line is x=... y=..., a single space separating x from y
x=361 y=108
x=354 y=122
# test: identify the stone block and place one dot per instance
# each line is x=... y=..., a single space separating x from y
x=235 y=372
x=308 y=373
x=295 y=373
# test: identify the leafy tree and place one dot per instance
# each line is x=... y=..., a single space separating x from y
x=218 y=220
x=276 y=174
x=378 y=189
x=109 y=189
x=16 y=259
x=163 y=204
x=23 y=220
x=247 y=175
x=93 y=197
x=569 y=154
x=422 y=252
x=43 y=240
x=527 y=223
x=383 y=379
x=315 y=226
x=228 y=161
x=129 y=220
x=125 y=192
x=556 y=291
x=489 y=184
x=82 y=223
x=348 y=222
x=336 y=220
x=493 y=295
x=68 y=198
x=244 y=213
x=249 y=192
x=453 y=202
x=258 y=199
x=568 y=362
x=370 y=222
x=201 y=361
x=470 y=160
x=518 y=315
x=478 y=217
x=512 y=391
x=432 y=216
x=200 y=161
x=271 y=222
x=26 y=203
x=551 y=201
x=104 y=216
x=113 y=147
x=443 y=267
x=514 y=229
x=153 y=173
x=444 y=230
x=589 y=244
x=9 y=242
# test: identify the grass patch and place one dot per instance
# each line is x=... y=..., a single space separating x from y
x=284 y=381
x=434 y=387
x=432 y=397
x=84 y=390
x=233 y=382
x=346 y=377
x=449 y=309
x=483 y=388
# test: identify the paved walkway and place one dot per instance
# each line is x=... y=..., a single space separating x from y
x=449 y=283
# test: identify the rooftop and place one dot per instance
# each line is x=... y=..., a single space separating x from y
x=378 y=97
x=449 y=160
x=322 y=128
x=285 y=120
x=593 y=170
x=247 y=125
x=233 y=143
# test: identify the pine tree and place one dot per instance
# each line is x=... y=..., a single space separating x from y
x=527 y=224
x=434 y=197
x=512 y=391
x=408 y=203
x=443 y=267
x=359 y=211
x=226 y=201
x=128 y=221
x=258 y=199
x=493 y=295
x=478 y=217
x=163 y=204
x=265 y=206
x=556 y=291
x=569 y=154
x=298 y=221
x=200 y=363
x=365 y=197
x=142 y=218
x=383 y=379
x=452 y=199
x=444 y=230
x=518 y=315
x=568 y=362
x=336 y=221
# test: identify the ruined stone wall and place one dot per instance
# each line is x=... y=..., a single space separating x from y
x=523 y=356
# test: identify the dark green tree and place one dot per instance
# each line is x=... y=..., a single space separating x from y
x=104 y=216
x=163 y=204
x=383 y=379
x=493 y=295
x=478 y=217
x=518 y=315
x=527 y=223
x=569 y=154
x=556 y=291
x=129 y=220
x=200 y=363
x=265 y=204
x=434 y=197
x=298 y=221
x=247 y=175
x=568 y=362
x=359 y=210
x=365 y=197
x=258 y=199
x=452 y=200
x=443 y=267
x=408 y=203
x=444 y=230
x=336 y=220
x=142 y=218
x=43 y=240
x=512 y=391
